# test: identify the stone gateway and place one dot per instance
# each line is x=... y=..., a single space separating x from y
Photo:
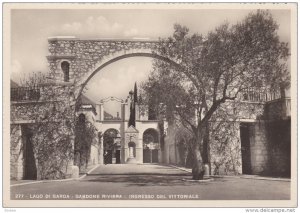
x=259 y=144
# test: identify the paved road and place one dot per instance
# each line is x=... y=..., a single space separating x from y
x=135 y=169
x=153 y=182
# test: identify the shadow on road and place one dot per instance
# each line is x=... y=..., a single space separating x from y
x=150 y=180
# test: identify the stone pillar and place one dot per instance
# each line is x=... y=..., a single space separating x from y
x=101 y=151
x=123 y=111
x=131 y=137
x=98 y=111
x=72 y=170
x=127 y=111
x=139 y=155
x=101 y=111
x=139 y=151
x=160 y=155
x=259 y=148
x=16 y=157
x=125 y=154
x=137 y=112
x=239 y=145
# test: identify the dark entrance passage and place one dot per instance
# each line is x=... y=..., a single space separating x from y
x=150 y=156
x=112 y=152
x=146 y=156
x=118 y=156
x=245 y=146
x=150 y=146
x=155 y=156
x=30 y=171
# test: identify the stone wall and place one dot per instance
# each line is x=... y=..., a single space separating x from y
x=279 y=139
x=47 y=110
x=259 y=148
x=16 y=153
x=279 y=109
x=51 y=96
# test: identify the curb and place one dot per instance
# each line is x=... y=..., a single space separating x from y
x=266 y=178
x=43 y=181
x=242 y=177
x=180 y=168
x=59 y=180
x=92 y=169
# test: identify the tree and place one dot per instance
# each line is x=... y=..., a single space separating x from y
x=215 y=69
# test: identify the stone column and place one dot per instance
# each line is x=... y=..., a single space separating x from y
x=102 y=111
x=139 y=151
x=126 y=154
x=123 y=111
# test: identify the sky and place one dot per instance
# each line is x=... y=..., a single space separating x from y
x=31 y=28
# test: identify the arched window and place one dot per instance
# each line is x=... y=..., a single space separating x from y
x=65 y=66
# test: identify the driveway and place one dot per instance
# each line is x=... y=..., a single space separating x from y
x=136 y=169
x=152 y=182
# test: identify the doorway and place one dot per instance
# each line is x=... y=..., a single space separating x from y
x=150 y=146
x=111 y=150
x=118 y=156
x=150 y=155
x=30 y=171
x=245 y=148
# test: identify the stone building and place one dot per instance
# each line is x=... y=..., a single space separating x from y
x=259 y=140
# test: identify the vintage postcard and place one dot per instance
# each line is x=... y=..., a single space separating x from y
x=149 y=105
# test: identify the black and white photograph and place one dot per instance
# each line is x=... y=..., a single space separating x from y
x=150 y=105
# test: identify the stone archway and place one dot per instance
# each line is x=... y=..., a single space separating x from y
x=89 y=75
x=87 y=57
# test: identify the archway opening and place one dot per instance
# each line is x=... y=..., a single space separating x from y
x=150 y=146
x=85 y=80
x=111 y=149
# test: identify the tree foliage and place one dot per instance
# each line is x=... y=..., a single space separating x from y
x=52 y=124
x=85 y=134
x=214 y=69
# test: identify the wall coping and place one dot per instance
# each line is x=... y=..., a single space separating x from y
x=73 y=38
